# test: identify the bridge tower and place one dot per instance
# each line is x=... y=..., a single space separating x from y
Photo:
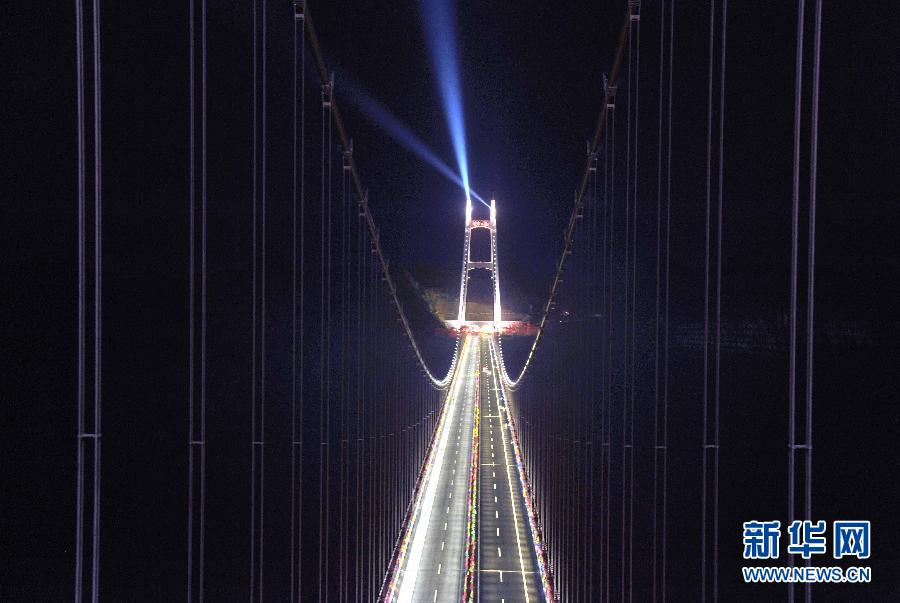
x=469 y=264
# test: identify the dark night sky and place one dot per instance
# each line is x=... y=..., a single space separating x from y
x=530 y=90
x=531 y=73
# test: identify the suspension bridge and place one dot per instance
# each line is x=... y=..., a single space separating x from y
x=516 y=468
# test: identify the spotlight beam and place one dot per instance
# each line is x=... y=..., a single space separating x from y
x=384 y=118
x=439 y=23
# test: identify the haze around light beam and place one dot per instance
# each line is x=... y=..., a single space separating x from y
x=439 y=24
x=384 y=118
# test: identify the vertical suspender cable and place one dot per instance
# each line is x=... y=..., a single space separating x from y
x=634 y=222
x=706 y=444
x=367 y=414
x=343 y=381
x=370 y=425
x=604 y=373
x=711 y=440
x=80 y=337
x=324 y=333
x=656 y=379
x=626 y=451
x=792 y=334
x=660 y=455
x=197 y=336
x=595 y=396
x=384 y=422
x=89 y=340
x=665 y=418
x=609 y=347
x=203 y=239
x=253 y=370
x=360 y=393
x=811 y=264
x=258 y=353
x=343 y=503
x=372 y=422
x=719 y=242
x=81 y=303
x=297 y=298
x=357 y=395
x=98 y=304
x=375 y=418
x=625 y=272
x=806 y=445
x=358 y=554
x=589 y=394
x=191 y=301
x=327 y=281
x=262 y=326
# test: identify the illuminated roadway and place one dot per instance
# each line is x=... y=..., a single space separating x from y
x=434 y=565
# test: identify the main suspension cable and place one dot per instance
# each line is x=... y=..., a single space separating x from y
x=362 y=194
x=576 y=210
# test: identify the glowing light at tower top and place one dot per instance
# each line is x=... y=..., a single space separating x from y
x=439 y=22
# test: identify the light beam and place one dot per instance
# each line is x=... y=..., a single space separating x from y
x=384 y=118
x=439 y=23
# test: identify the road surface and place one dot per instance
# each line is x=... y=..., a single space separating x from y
x=505 y=564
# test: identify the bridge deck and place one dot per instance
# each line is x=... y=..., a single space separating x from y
x=506 y=566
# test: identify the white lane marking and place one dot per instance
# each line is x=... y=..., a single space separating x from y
x=434 y=598
x=442 y=545
x=445 y=525
x=499 y=552
x=422 y=522
x=495 y=485
x=439 y=568
x=496 y=514
x=501 y=575
x=513 y=506
x=498 y=531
